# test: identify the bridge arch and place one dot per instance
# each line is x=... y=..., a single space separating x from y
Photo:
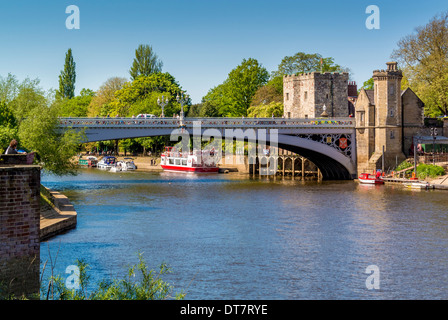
x=306 y=137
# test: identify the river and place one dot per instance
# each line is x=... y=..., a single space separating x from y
x=228 y=236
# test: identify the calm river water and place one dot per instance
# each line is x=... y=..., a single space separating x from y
x=233 y=237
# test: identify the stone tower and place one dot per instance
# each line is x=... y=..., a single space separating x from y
x=379 y=121
x=306 y=94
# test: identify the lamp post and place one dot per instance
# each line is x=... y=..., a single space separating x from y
x=324 y=113
x=434 y=137
x=162 y=103
x=182 y=99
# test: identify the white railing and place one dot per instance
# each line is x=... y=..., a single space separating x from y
x=204 y=122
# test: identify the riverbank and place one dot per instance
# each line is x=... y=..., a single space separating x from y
x=57 y=214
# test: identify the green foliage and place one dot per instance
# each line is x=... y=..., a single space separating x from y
x=368 y=85
x=30 y=95
x=67 y=78
x=303 y=62
x=429 y=170
x=6 y=135
x=105 y=95
x=145 y=62
x=140 y=283
x=424 y=57
x=405 y=164
x=7 y=118
x=140 y=96
x=266 y=110
x=233 y=97
x=39 y=133
x=77 y=106
x=9 y=88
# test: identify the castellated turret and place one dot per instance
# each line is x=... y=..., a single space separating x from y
x=305 y=95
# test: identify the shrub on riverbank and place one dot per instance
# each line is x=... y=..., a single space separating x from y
x=150 y=286
x=429 y=171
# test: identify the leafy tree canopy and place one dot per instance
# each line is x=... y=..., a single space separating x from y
x=232 y=98
x=303 y=62
x=140 y=96
x=423 y=57
x=145 y=62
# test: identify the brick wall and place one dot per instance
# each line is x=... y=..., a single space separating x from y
x=19 y=229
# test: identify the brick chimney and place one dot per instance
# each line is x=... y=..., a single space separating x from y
x=352 y=89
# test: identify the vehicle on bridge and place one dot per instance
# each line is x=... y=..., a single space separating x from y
x=198 y=161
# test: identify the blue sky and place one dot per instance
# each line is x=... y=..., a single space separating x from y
x=199 y=41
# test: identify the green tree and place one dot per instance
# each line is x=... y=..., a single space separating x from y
x=9 y=88
x=423 y=56
x=30 y=95
x=105 y=95
x=233 y=97
x=368 y=84
x=67 y=78
x=266 y=110
x=145 y=62
x=77 y=106
x=140 y=96
x=303 y=62
x=55 y=150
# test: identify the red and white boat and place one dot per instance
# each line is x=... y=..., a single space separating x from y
x=196 y=161
x=370 y=178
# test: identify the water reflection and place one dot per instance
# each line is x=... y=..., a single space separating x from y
x=245 y=238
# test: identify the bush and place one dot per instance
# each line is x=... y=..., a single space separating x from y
x=150 y=286
x=405 y=164
x=429 y=170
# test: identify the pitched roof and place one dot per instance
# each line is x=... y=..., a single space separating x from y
x=371 y=96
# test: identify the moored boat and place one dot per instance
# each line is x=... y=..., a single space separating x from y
x=367 y=178
x=417 y=185
x=197 y=161
x=107 y=163
x=90 y=161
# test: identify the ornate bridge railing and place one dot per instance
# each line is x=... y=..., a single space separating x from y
x=207 y=122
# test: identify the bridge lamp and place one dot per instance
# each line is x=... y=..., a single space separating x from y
x=182 y=100
x=162 y=103
x=324 y=113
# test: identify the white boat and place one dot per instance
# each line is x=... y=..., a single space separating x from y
x=128 y=164
x=106 y=163
x=124 y=165
x=197 y=161
x=417 y=185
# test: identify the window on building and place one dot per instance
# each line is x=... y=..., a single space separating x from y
x=306 y=95
x=392 y=135
x=391 y=89
x=391 y=112
x=287 y=95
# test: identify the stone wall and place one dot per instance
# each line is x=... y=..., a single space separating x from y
x=306 y=94
x=19 y=229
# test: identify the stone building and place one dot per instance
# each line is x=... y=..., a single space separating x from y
x=387 y=118
x=305 y=95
